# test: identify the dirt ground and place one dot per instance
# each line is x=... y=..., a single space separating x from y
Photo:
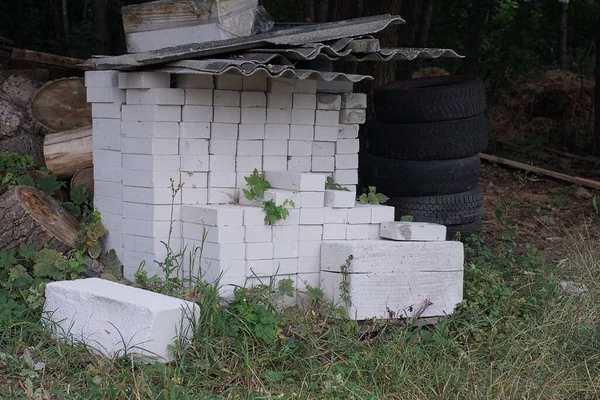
x=547 y=213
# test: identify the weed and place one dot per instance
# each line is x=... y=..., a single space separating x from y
x=407 y=218
x=257 y=188
x=331 y=185
x=345 y=283
x=372 y=197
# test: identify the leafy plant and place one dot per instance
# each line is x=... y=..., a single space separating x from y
x=274 y=213
x=251 y=312
x=344 y=283
x=257 y=184
x=12 y=169
x=89 y=238
x=372 y=197
x=407 y=218
x=80 y=204
x=331 y=185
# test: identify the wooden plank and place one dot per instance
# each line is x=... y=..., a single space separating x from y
x=589 y=183
x=47 y=59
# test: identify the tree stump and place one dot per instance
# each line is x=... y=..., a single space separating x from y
x=67 y=152
x=84 y=177
x=62 y=105
x=28 y=216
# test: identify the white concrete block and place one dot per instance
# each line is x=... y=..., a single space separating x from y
x=106 y=142
x=348 y=131
x=358 y=232
x=229 y=82
x=221 y=234
x=197 y=113
x=108 y=174
x=254 y=116
x=221 y=179
x=260 y=268
x=195 y=81
x=106 y=127
x=286 y=233
x=301 y=148
x=248 y=164
x=279 y=196
x=309 y=248
x=222 y=147
x=226 y=98
x=285 y=266
x=101 y=79
x=305 y=101
x=277 y=131
x=252 y=148
x=405 y=275
x=309 y=265
x=275 y=147
x=145 y=195
x=302 y=132
x=195 y=130
x=312 y=216
x=230 y=115
x=347 y=146
x=105 y=95
x=106 y=110
x=311 y=200
x=352 y=116
x=285 y=250
x=149 y=129
x=374 y=231
x=254 y=83
x=326 y=133
x=279 y=116
x=194 y=163
x=151 y=113
x=334 y=231
x=354 y=100
x=305 y=86
x=199 y=97
x=108 y=189
x=279 y=100
x=191 y=196
x=149 y=212
x=151 y=245
x=346 y=176
x=275 y=163
x=194 y=179
x=323 y=149
x=108 y=204
x=143 y=162
x=163 y=96
x=310 y=232
x=151 y=229
x=107 y=158
x=224 y=251
x=323 y=164
x=329 y=102
x=214 y=215
x=292 y=219
x=346 y=161
x=339 y=199
x=327 y=118
x=351 y=188
x=133 y=260
x=218 y=195
x=253 y=216
x=285 y=85
x=259 y=251
x=258 y=233
x=303 y=117
x=150 y=146
x=336 y=215
x=112 y=221
x=224 y=131
x=252 y=131
x=228 y=272
x=150 y=178
x=361 y=214
x=413 y=231
x=109 y=317
x=296 y=181
x=144 y=80
x=335 y=87
x=381 y=213
x=222 y=163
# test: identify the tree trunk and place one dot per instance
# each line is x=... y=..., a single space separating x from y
x=563 y=35
x=84 y=177
x=65 y=22
x=101 y=27
x=69 y=151
x=15 y=121
x=25 y=144
x=426 y=26
x=19 y=89
x=478 y=21
x=29 y=216
x=62 y=105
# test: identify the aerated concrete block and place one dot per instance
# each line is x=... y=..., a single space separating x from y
x=413 y=231
x=296 y=181
x=339 y=199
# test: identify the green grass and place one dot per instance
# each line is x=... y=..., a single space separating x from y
x=516 y=336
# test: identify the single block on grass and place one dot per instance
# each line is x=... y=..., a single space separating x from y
x=118 y=320
x=413 y=231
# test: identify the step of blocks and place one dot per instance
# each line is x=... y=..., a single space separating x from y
x=115 y=319
x=413 y=231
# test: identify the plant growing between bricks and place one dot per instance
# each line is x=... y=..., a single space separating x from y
x=258 y=185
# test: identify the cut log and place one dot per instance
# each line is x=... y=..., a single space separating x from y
x=19 y=89
x=62 y=105
x=25 y=144
x=15 y=120
x=69 y=151
x=84 y=177
x=29 y=216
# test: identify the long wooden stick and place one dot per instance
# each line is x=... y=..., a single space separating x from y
x=46 y=58
x=589 y=183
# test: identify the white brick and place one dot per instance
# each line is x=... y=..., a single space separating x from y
x=112 y=222
x=221 y=234
x=277 y=131
x=108 y=174
x=327 y=118
x=222 y=163
x=149 y=146
x=353 y=116
x=253 y=100
x=303 y=117
x=358 y=232
x=149 y=129
x=312 y=216
x=323 y=164
x=347 y=146
x=108 y=204
x=346 y=177
x=106 y=110
x=150 y=245
x=296 y=181
x=259 y=251
x=302 y=132
x=351 y=188
x=346 y=161
x=311 y=199
x=285 y=85
x=105 y=95
x=329 y=102
x=150 y=229
x=292 y=219
x=195 y=81
x=106 y=135
x=107 y=158
x=305 y=101
x=108 y=189
x=300 y=148
x=252 y=131
x=279 y=196
x=310 y=232
x=224 y=251
x=381 y=213
x=194 y=146
x=285 y=233
x=354 y=100
x=199 y=97
x=250 y=148
x=275 y=163
x=144 y=80
x=260 y=268
x=299 y=164
x=335 y=87
x=253 y=216
x=223 y=147
x=230 y=115
x=191 y=196
x=285 y=250
x=214 y=215
x=254 y=83
x=348 y=131
x=374 y=231
x=226 y=271
x=334 y=232
x=413 y=231
x=361 y=214
x=258 y=233
x=195 y=130
x=285 y=266
x=222 y=195
x=275 y=147
x=228 y=82
x=305 y=86
x=336 y=215
x=197 y=114
x=102 y=78
x=94 y=310
x=158 y=196
x=326 y=133
x=142 y=162
x=279 y=100
x=224 y=131
x=194 y=179
x=339 y=199
x=309 y=248
x=323 y=149
x=254 y=115
x=279 y=116
x=194 y=163
x=309 y=265
x=226 y=98
x=221 y=179
x=151 y=113
x=168 y=97
x=248 y=163
x=150 y=179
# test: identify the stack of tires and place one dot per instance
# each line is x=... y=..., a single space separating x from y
x=422 y=150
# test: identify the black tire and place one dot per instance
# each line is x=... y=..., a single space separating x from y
x=429 y=141
x=453 y=209
x=464 y=231
x=419 y=178
x=429 y=99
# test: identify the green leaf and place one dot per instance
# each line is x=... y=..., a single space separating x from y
x=381 y=198
x=26 y=252
x=80 y=195
x=7 y=259
x=26 y=180
x=19 y=277
x=363 y=199
x=286 y=287
x=50 y=264
x=49 y=184
x=94 y=249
